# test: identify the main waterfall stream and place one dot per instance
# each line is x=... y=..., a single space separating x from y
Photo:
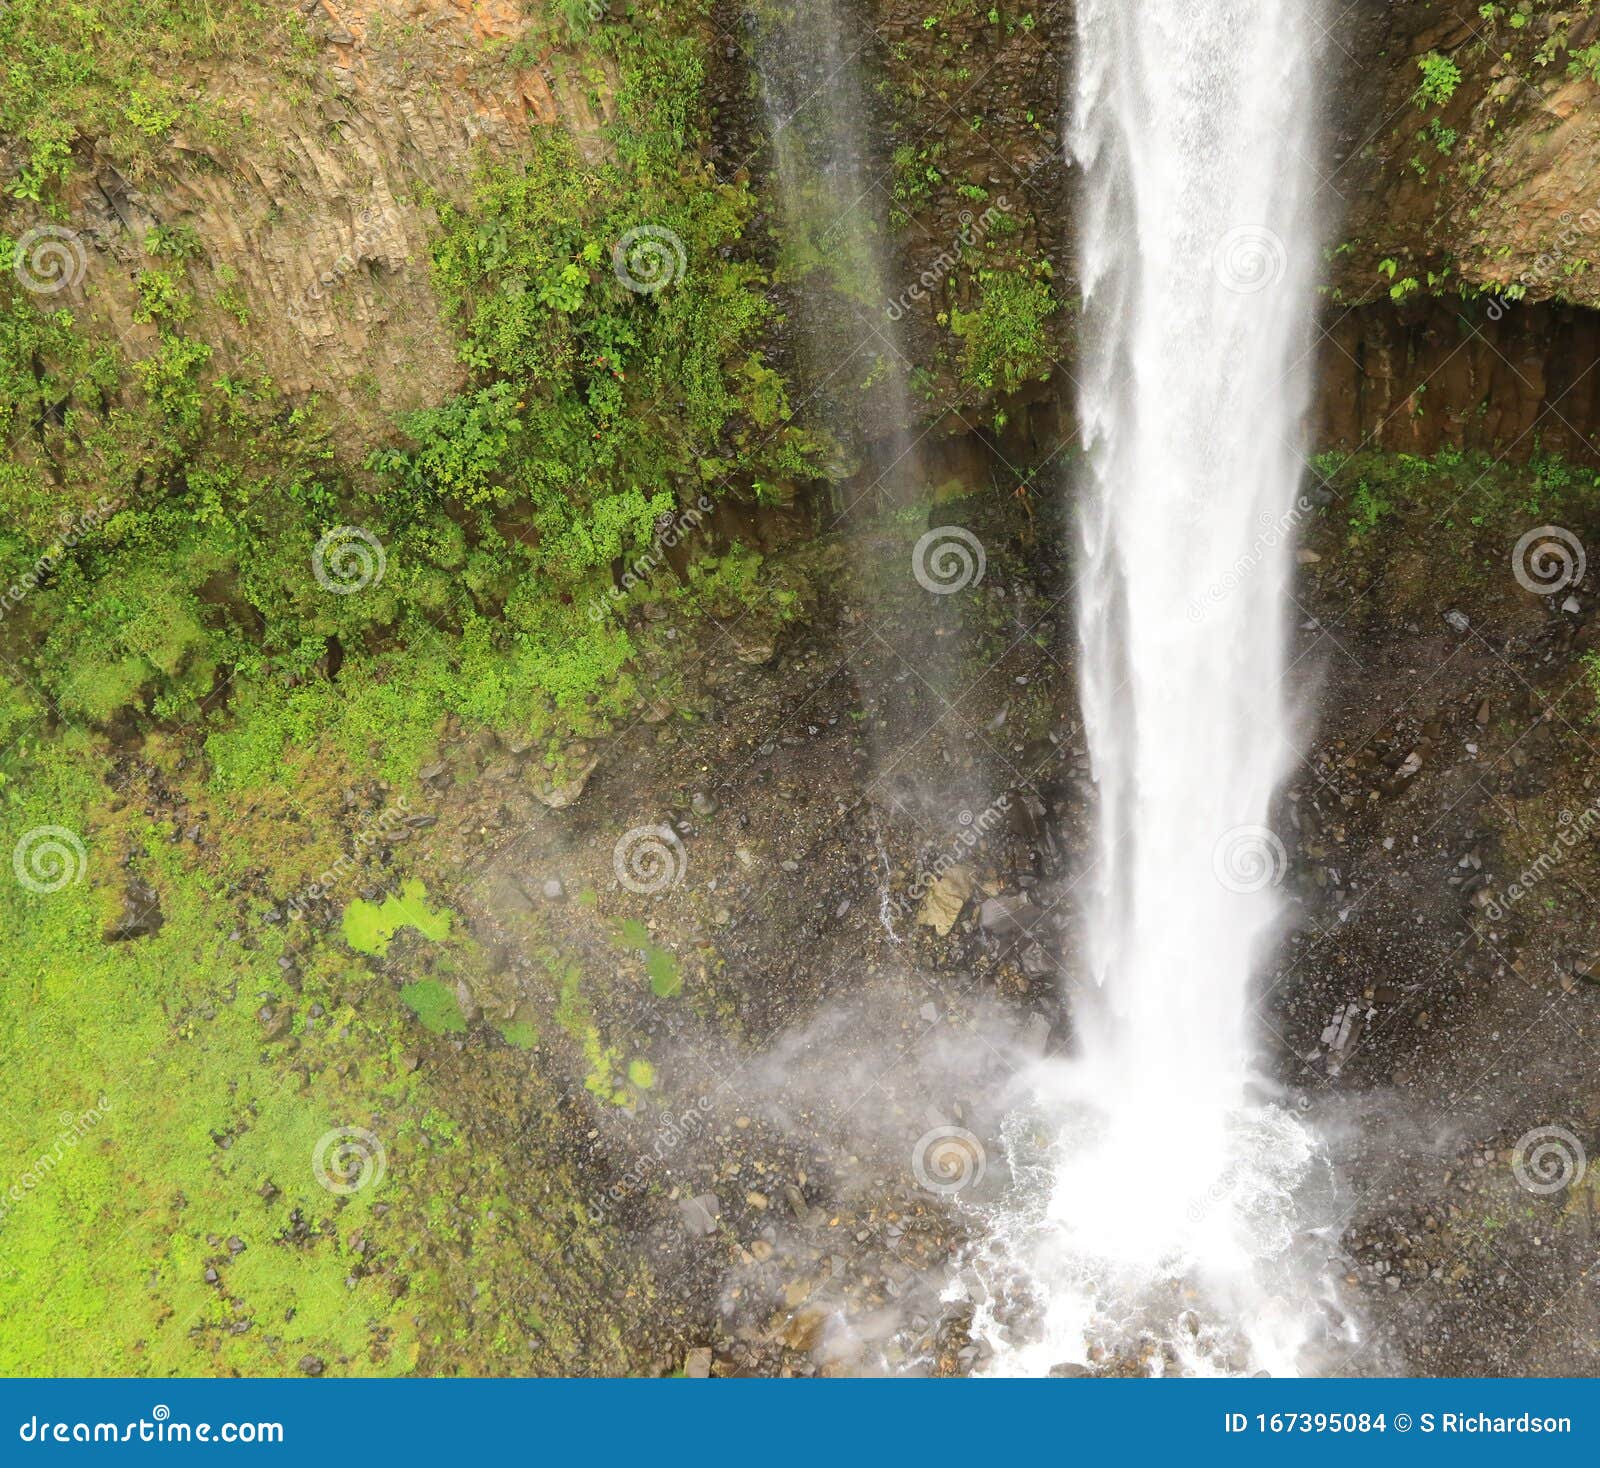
x=1171 y=1219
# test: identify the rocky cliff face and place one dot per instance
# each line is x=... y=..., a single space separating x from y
x=1463 y=176
x=313 y=223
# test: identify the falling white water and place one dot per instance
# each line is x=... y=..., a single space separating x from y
x=810 y=56
x=1173 y=1209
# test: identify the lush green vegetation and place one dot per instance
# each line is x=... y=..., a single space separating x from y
x=1006 y=339
x=122 y=73
x=216 y=630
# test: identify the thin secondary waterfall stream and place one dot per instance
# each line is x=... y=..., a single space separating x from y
x=1171 y=1215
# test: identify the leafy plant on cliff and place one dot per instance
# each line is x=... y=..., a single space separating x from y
x=1006 y=340
x=1440 y=78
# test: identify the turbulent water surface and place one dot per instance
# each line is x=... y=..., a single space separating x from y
x=1172 y=1192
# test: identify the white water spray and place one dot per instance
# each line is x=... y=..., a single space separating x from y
x=1171 y=1216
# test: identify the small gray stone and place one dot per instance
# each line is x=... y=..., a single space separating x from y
x=1035 y=1036
x=1008 y=916
x=700 y=1214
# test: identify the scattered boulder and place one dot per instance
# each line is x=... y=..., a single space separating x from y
x=558 y=794
x=1009 y=916
x=945 y=899
x=141 y=915
x=697 y=1364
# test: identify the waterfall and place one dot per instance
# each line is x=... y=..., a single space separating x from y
x=1172 y=1210
x=832 y=205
